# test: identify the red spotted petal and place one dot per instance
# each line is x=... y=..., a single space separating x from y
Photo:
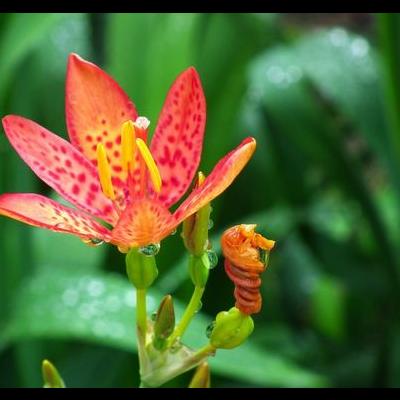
x=43 y=212
x=143 y=222
x=220 y=178
x=96 y=107
x=178 y=138
x=60 y=165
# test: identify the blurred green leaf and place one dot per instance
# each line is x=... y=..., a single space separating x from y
x=389 y=35
x=328 y=306
x=22 y=33
x=99 y=308
x=65 y=250
x=146 y=52
x=311 y=141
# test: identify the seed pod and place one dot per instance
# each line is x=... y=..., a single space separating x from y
x=246 y=256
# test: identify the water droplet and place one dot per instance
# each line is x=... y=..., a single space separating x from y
x=209 y=329
x=213 y=258
x=359 y=47
x=199 y=306
x=95 y=287
x=150 y=249
x=153 y=316
x=173 y=232
x=338 y=37
x=210 y=224
x=93 y=242
x=275 y=74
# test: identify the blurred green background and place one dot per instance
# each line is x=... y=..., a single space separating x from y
x=321 y=94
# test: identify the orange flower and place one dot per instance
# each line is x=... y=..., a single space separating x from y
x=245 y=259
x=108 y=171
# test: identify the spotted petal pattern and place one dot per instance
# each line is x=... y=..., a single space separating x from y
x=60 y=165
x=178 y=138
x=143 y=222
x=96 y=107
x=40 y=211
x=220 y=178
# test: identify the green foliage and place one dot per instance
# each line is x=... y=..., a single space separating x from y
x=323 y=105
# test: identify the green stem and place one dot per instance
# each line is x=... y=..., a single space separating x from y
x=189 y=313
x=207 y=350
x=141 y=314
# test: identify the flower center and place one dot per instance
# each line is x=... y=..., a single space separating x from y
x=129 y=144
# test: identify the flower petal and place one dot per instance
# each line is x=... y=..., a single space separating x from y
x=37 y=210
x=220 y=178
x=178 y=137
x=96 y=107
x=143 y=222
x=60 y=165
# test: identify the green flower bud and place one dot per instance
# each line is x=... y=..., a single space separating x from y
x=51 y=377
x=231 y=329
x=165 y=322
x=141 y=269
x=199 y=269
x=201 y=378
x=195 y=227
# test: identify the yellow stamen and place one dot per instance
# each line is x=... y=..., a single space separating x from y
x=128 y=145
x=104 y=172
x=151 y=165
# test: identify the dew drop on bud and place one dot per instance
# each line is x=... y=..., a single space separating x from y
x=150 y=249
x=209 y=329
x=93 y=242
x=213 y=258
x=210 y=224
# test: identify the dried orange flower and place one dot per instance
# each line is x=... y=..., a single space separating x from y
x=245 y=253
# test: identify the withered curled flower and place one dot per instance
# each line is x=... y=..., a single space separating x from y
x=246 y=255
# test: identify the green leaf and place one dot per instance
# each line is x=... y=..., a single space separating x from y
x=65 y=251
x=22 y=33
x=136 y=63
x=328 y=306
x=100 y=308
x=306 y=133
x=389 y=34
